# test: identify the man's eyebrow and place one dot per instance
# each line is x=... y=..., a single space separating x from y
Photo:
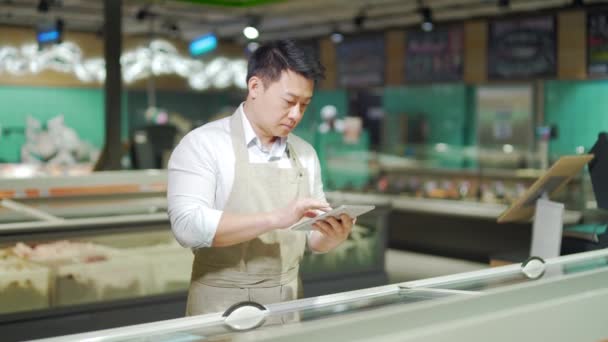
x=294 y=95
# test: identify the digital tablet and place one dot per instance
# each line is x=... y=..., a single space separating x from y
x=350 y=210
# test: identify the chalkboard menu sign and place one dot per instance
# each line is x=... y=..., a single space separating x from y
x=597 y=43
x=361 y=61
x=434 y=56
x=522 y=48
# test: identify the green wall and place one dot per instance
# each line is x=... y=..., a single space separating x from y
x=198 y=107
x=580 y=111
x=445 y=107
x=449 y=115
x=83 y=110
x=579 y=108
x=312 y=118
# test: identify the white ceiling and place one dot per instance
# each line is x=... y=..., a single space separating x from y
x=291 y=18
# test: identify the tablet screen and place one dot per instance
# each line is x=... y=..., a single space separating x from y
x=350 y=210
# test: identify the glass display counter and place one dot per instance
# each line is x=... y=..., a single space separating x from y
x=81 y=245
x=101 y=194
x=566 y=295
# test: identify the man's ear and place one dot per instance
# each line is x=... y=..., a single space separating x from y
x=255 y=86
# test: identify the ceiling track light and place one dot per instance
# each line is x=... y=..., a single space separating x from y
x=171 y=26
x=251 y=31
x=336 y=36
x=143 y=13
x=359 y=20
x=504 y=3
x=60 y=25
x=427 y=19
x=43 y=6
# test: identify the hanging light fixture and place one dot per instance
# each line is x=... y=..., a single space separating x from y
x=251 y=31
x=43 y=6
x=359 y=20
x=427 y=19
x=336 y=36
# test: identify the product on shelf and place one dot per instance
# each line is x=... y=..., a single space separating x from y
x=62 y=252
x=86 y=272
x=23 y=285
x=170 y=264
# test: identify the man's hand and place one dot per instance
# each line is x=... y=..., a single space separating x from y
x=294 y=211
x=330 y=233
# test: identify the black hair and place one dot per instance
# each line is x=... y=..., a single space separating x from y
x=269 y=60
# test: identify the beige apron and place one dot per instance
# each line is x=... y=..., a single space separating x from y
x=264 y=269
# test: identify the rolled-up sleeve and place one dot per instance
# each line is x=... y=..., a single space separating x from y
x=192 y=177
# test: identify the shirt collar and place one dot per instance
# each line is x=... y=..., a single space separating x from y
x=277 y=149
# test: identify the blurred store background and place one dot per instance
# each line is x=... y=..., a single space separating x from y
x=440 y=112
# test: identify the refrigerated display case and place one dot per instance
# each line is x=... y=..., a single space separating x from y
x=559 y=299
x=90 y=247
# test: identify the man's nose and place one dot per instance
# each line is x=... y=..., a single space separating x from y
x=295 y=112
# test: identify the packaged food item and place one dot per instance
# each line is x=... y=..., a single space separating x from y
x=23 y=285
x=170 y=264
x=84 y=272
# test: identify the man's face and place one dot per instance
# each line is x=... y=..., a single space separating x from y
x=281 y=104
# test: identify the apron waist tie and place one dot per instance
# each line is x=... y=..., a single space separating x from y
x=223 y=277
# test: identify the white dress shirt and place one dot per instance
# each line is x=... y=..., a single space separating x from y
x=201 y=174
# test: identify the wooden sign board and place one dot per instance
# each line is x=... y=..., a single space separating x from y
x=550 y=183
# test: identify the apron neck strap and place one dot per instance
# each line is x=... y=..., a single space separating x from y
x=240 y=147
x=238 y=137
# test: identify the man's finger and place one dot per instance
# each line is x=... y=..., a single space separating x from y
x=335 y=225
x=324 y=228
x=346 y=219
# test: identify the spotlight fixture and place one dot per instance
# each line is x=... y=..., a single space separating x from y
x=504 y=3
x=142 y=14
x=427 y=19
x=252 y=46
x=171 y=26
x=336 y=37
x=359 y=20
x=43 y=6
x=60 y=24
x=251 y=31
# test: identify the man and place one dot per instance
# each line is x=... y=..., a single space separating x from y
x=235 y=184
